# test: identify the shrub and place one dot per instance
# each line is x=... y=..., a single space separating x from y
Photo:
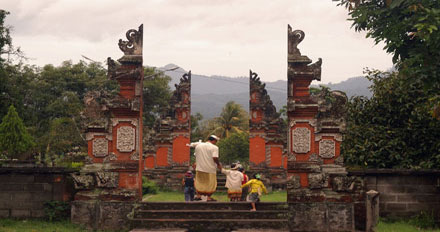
x=148 y=186
x=424 y=220
x=57 y=210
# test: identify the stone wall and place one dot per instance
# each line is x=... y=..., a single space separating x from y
x=24 y=190
x=404 y=193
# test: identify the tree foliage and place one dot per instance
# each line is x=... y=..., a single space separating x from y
x=393 y=128
x=15 y=141
x=156 y=94
x=232 y=119
x=234 y=148
x=410 y=31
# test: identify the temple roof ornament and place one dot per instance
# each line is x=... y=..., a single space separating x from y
x=294 y=37
x=134 y=44
x=132 y=47
x=299 y=65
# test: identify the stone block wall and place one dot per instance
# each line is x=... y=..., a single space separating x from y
x=404 y=193
x=24 y=190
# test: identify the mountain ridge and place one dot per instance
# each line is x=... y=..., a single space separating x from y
x=210 y=93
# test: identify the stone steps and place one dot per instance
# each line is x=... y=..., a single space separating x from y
x=199 y=205
x=204 y=214
x=210 y=216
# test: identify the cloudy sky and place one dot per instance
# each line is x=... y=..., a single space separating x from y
x=210 y=37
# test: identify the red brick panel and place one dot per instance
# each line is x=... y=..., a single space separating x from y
x=257 y=150
x=180 y=150
x=162 y=157
x=276 y=154
x=149 y=161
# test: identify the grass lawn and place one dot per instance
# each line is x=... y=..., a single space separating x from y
x=399 y=226
x=177 y=196
x=38 y=225
x=10 y=225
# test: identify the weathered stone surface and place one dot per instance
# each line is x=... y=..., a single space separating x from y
x=307 y=217
x=100 y=147
x=107 y=179
x=340 y=216
x=293 y=182
x=83 y=181
x=84 y=213
x=125 y=137
x=317 y=180
x=301 y=138
x=327 y=148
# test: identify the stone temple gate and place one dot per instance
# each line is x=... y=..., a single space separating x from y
x=321 y=197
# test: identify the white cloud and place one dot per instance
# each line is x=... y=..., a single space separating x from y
x=215 y=37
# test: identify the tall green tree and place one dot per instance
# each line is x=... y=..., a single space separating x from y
x=234 y=148
x=410 y=31
x=392 y=129
x=232 y=119
x=395 y=128
x=156 y=94
x=15 y=141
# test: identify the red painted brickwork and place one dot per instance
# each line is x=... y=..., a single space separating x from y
x=257 y=150
x=128 y=180
x=276 y=155
x=180 y=150
x=162 y=157
x=149 y=161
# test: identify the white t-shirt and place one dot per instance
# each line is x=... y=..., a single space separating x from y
x=233 y=179
x=205 y=152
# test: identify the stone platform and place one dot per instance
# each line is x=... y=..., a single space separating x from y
x=209 y=216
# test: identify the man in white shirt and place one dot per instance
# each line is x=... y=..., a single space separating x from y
x=206 y=167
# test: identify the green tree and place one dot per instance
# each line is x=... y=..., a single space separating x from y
x=196 y=130
x=393 y=129
x=409 y=29
x=15 y=141
x=234 y=148
x=233 y=119
x=156 y=95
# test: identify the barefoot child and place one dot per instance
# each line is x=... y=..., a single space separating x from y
x=233 y=182
x=257 y=187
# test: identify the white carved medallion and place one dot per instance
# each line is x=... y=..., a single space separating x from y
x=100 y=147
x=327 y=148
x=301 y=140
x=125 y=137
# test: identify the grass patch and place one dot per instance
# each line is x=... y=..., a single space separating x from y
x=400 y=226
x=36 y=225
x=177 y=196
x=11 y=225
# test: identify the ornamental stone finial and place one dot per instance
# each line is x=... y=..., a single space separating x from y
x=294 y=38
x=133 y=45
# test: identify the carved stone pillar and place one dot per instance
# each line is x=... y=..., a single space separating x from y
x=319 y=191
x=114 y=163
x=266 y=140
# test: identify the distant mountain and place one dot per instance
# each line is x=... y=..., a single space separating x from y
x=210 y=93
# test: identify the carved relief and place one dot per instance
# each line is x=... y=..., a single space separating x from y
x=339 y=160
x=134 y=44
x=301 y=140
x=82 y=181
x=110 y=157
x=134 y=156
x=317 y=180
x=100 y=147
x=315 y=158
x=125 y=137
x=294 y=38
x=107 y=179
x=327 y=148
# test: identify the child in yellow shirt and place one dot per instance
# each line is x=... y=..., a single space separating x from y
x=256 y=187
